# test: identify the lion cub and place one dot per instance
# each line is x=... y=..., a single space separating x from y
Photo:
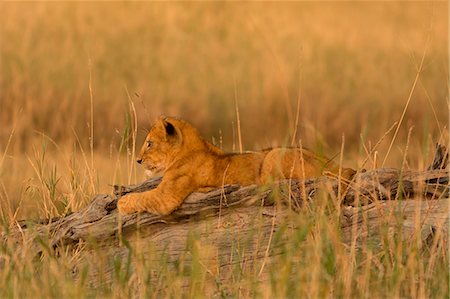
x=188 y=163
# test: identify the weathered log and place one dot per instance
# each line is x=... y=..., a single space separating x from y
x=100 y=219
x=217 y=216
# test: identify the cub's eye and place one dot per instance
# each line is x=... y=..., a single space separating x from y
x=149 y=144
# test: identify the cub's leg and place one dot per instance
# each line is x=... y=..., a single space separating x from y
x=347 y=175
x=163 y=200
x=205 y=189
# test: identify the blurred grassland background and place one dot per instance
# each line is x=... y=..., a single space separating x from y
x=351 y=64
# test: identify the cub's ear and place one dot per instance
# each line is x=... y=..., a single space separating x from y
x=170 y=129
x=172 y=132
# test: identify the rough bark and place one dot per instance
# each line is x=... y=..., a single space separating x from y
x=228 y=215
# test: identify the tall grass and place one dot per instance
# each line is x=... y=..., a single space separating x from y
x=80 y=83
x=309 y=260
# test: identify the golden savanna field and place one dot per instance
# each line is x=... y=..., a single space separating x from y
x=80 y=84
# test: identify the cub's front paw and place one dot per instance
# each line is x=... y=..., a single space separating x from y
x=128 y=204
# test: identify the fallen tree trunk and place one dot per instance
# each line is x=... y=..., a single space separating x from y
x=228 y=215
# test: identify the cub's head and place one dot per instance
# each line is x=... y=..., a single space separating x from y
x=162 y=145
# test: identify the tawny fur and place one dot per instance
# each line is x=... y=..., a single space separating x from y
x=188 y=163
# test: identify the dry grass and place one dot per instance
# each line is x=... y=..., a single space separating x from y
x=76 y=76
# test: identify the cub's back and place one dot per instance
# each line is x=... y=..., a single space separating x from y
x=295 y=163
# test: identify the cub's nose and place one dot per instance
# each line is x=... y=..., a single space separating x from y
x=139 y=161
